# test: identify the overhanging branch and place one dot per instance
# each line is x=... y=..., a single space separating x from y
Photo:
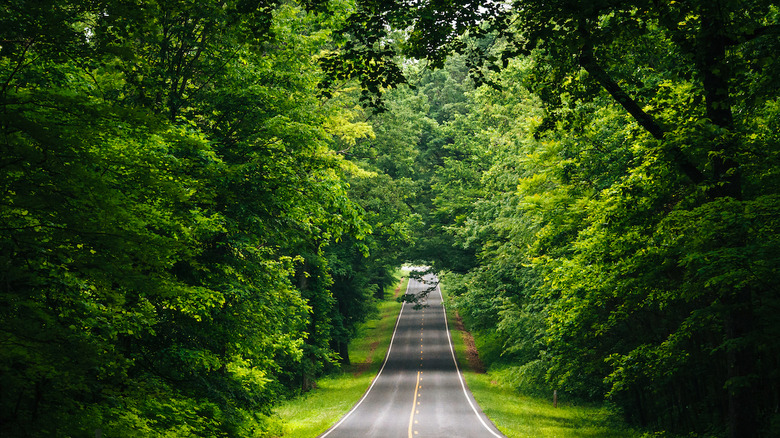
x=588 y=62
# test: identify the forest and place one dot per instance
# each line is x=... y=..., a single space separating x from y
x=201 y=200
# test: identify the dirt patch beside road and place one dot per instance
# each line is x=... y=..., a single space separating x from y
x=472 y=355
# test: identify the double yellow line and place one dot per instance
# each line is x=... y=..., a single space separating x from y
x=414 y=404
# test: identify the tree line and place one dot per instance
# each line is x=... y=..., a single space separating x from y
x=181 y=243
x=603 y=191
x=201 y=201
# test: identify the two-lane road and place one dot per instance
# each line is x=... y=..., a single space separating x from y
x=419 y=391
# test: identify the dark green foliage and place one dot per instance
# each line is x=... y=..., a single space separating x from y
x=169 y=198
x=614 y=194
x=196 y=212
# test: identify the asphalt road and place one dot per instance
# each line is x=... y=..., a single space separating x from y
x=419 y=392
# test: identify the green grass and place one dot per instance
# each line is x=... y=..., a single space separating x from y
x=313 y=413
x=520 y=416
x=515 y=415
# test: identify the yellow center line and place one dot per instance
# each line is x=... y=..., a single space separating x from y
x=414 y=403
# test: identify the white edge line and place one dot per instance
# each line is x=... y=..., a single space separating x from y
x=390 y=347
x=460 y=375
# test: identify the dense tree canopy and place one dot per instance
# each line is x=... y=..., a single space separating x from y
x=614 y=193
x=200 y=201
x=174 y=209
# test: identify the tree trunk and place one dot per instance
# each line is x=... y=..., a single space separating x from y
x=738 y=320
x=379 y=294
x=307 y=381
x=344 y=352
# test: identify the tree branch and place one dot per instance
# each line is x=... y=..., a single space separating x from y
x=755 y=33
x=588 y=62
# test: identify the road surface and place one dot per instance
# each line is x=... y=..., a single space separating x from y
x=419 y=391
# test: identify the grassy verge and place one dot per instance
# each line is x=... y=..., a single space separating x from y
x=520 y=416
x=314 y=412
